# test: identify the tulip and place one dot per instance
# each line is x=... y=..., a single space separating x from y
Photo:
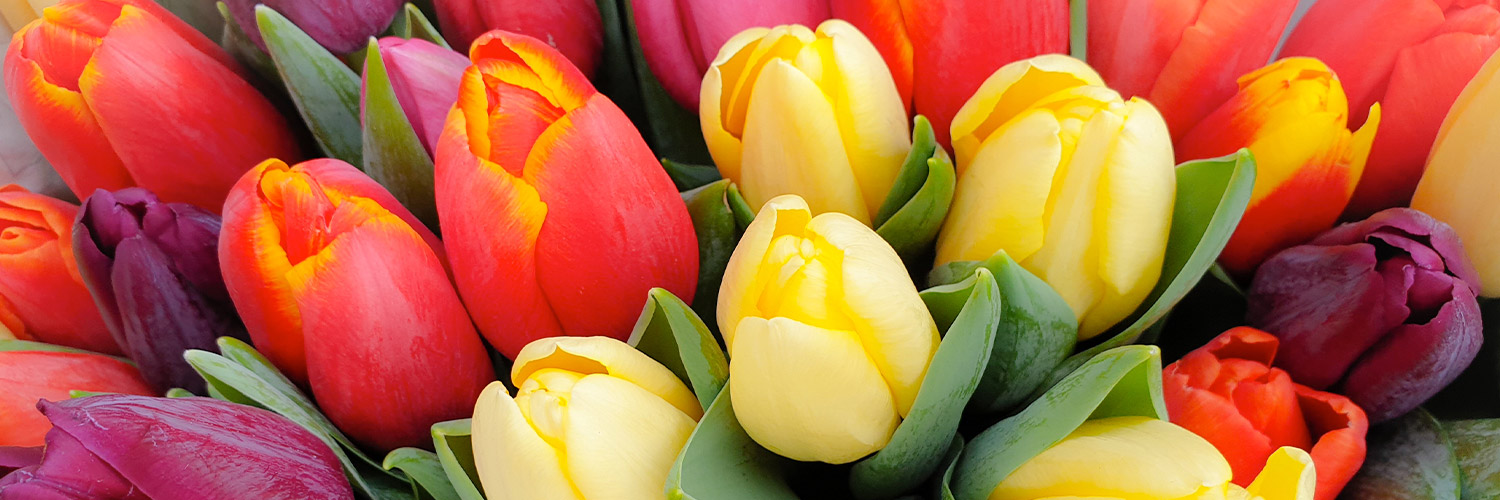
x=341 y=26
x=1292 y=115
x=1383 y=310
x=1459 y=186
x=558 y=218
x=1139 y=457
x=425 y=77
x=42 y=296
x=592 y=418
x=828 y=338
x=790 y=111
x=1071 y=181
x=135 y=448
x=28 y=376
x=1412 y=56
x=680 y=38
x=185 y=129
x=1228 y=393
x=573 y=27
x=345 y=291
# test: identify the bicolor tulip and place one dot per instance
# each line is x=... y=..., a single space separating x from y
x=592 y=418
x=558 y=218
x=1414 y=58
x=138 y=448
x=1294 y=117
x=153 y=270
x=344 y=290
x=1185 y=56
x=29 y=376
x=42 y=296
x=1073 y=182
x=105 y=124
x=1228 y=393
x=827 y=337
x=680 y=38
x=1139 y=457
x=790 y=111
x=573 y=27
x=341 y=26
x=425 y=78
x=1459 y=185
x=1382 y=310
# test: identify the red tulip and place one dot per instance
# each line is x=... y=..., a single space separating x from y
x=573 y=27
x=558 y=218
x=1411 y=56
x=42 y=296
x=29 y=376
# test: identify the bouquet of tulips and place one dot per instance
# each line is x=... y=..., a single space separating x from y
x=750 y=250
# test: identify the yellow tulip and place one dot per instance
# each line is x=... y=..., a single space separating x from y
x=1141 y=458
x=1073 y=182
x=17 y=13
x=787 y=110
x=1461 y=183
x=593 y=419
x=828 y=339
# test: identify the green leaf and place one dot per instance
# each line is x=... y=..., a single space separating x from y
x=424 y=468
x=1037 y=331
x=15 y=345
x=1476 y=444
x=416 y=25
x=673 y=335
x=743 y=213
x=615 y=75
x=950 y=462
x=325 y=90
x=454 y=443
x=916 y=450
x=178 y=392
x=688 y=177
x=721 y=462
x=393 y=153
x=1408 y=459
x=718 y=231
x=1125 y=381
x=84 y=394
x=1078 y=33
x=913 y=212
x=672 y=130
x=243 y=50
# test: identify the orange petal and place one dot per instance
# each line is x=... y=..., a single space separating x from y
x=28 y=376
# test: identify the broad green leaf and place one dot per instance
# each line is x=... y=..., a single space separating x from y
x=419 y=27
x=245 y=51
x=672 y=334
x=916 y=450
x=913 y=212
x=941 y=489
x=1037 y=331
x=615 y=75
x=425 y=470
x=718 y=231
x=671 y=129
x=1476 y=444
x=721 y=462
x=324 y=89
x=393 y=153
x=688 y=177
x=454 y=443
x=1409 y=458
x=178 y=392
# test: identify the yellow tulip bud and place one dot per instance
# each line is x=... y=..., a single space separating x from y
x=593 y=418
x=828 y=339
x=1076 y=184
x=787 y=110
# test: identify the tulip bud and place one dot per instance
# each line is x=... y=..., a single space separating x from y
x=790 y=111
x=1382 y=310
x=827 y=337
x=77 y=84
x=42 y=296
x=29 y=376
x=135 y=448
x=341 y=26
x=1293 y=117
x=573 y=27
x=592 y=418
x=1071 y=181
x=425 y=77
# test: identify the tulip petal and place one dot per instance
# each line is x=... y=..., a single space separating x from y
x=1130 y=41
x=1361 y=41
x=1001 y=203
x=41 y=292
x=740 y=289
x=1121 y=457
x=161 y=319
x=603 y=355
x=664 y=44
x=29 y=376
x=1289 y=474
x=513 y=461
x=622 y=439
x=1136 y=193
x=1341 y=427
x=1008 y=93
x=70 y=463
x=62 y=126
x=874 y=132
x=882 y=22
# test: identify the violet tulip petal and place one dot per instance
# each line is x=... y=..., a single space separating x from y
x=189 y=236
x=425 y=77
x=1414 y=362
x=68 y=470
x=341 y=26
x=1420 y=226
x=15 y=457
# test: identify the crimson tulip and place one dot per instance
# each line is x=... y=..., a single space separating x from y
x=341 y=26
x=573 y=27
x=28 y=376
x=42 y=296
x=425 y=78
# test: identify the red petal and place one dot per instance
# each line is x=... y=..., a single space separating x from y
x=1340 y=449
x=1130 y=41
x=28 y=376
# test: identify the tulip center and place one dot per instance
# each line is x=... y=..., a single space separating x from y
x=22 y=230
x=543 y=400
x=64 y=43
x=802 y=276
x=301 y=210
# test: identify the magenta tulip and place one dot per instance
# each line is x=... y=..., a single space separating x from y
x=341 y=26
x=425 y=77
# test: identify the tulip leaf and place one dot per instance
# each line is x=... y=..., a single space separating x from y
x=16 y=345
x=615 y=75
x=688 y=177
x=425 y=469
x=672 y=334
x=743 y=213
x=324 y=89
x=950 y=462
x=1476 y=444
x=718 y=229
x=75 y=394
x=178 y=392
x=454 y=443
x=721 y=462
x=913 y=212
x=393 y=153
x=672 y=130
x=243 y=49
x=916 y=449
x=1409 y=458
x=412 y=23
x=1124 y=381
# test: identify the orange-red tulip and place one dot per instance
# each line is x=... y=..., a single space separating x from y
x=158 y=106
x=29 y=376
x=42 y=296
x=557 y=217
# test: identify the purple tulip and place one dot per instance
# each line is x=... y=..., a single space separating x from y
x=341 y=26
x=425 y=77
x=119 y=447
x=1383 y=310
x=153 y=269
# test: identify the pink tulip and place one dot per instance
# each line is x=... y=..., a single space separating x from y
x=573 y=27
x=425 y=77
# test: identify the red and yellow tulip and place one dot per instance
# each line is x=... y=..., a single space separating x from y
x=42 y=296
x=29 y=376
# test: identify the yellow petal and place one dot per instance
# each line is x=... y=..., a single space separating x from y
x=741 y=289
x=621 y=439
x=1289 y=475
x=1122 y=457
x=724 y=147
x=605 y=355
x=1009 y=92
x=999 y=203
x=513 y=462
x=1136 y=195
x=808 y=393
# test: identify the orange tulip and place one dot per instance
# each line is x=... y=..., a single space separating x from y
x=29 y=376
x=42 y=296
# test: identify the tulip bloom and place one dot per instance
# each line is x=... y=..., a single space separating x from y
x=106 y=124
x=1073 y=182
x=29 y=376
x=1414 y=58
x=1228 y=393
x=42 y=296
x=790 y=111
x=135 y=448
x=425 y=78
x=1138 y=457
x=341 y=26
x=1383 y=309
x=573 y=27
x=558 y=218
x=592 y=418
x=343 y=289
x=1293 y=116
x=828 y=338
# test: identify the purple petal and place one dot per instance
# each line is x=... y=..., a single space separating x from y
x=189 y=236
x=68 y=471
x=341 y=26
x=1415 y=361
x=1420 y=227
x=425 y=76
x=15 y=457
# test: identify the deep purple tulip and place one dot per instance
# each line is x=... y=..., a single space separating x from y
x=119 y=447
x=1381 y=310
x=153 y=269
x=425 y=77
x=341 y=26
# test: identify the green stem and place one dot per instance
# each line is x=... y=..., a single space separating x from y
x=1079 y=38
